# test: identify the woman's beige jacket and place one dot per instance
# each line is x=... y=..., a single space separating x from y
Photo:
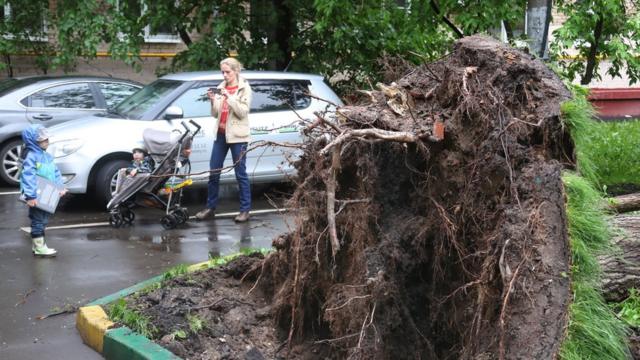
x=237 y=127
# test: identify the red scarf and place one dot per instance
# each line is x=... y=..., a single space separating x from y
x=224 y=113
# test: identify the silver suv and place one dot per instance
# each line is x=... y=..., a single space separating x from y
x=89 y=151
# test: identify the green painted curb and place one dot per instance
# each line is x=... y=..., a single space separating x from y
x=125 y=344
x=125 y=292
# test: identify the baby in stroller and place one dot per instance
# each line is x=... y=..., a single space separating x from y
x=141 y=162
x=162 y=187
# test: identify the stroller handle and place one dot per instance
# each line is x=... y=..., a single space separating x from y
x=197 y=126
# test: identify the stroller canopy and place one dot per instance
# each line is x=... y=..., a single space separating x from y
x=158 y=142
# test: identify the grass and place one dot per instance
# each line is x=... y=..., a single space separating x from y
x=615 y=151
x=221 y=260
x=196 y=324
x=629 y=309
x=178 y=270
x=119 y=312
x=578 y=115
x=594 y=331
x=608 y=153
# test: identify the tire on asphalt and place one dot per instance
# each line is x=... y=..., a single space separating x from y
x=9 y=157
x=104 y=178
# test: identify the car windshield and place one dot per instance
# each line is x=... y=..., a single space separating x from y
x=137 y=104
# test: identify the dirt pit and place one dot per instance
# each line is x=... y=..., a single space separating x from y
x=430 y=225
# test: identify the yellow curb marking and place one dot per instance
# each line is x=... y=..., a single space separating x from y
x=92 y=323
x=198 y=266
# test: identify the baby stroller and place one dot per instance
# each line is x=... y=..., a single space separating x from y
x=169 y=176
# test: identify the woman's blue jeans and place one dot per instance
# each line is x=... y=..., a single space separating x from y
x=39 y=219
x=219 y=152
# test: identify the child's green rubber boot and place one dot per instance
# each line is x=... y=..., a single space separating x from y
x=39 y=248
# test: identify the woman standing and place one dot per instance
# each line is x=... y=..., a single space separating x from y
x=230 y=106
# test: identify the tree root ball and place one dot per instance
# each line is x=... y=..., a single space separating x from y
x=414 y=241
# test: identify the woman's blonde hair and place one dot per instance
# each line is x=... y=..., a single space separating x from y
x=233 y=63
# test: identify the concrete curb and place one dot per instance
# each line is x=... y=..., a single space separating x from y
x=121 y=343
x=92 y=323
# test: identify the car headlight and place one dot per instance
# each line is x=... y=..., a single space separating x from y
x=66 y=147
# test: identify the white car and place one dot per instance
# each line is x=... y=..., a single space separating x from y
x=89 y=151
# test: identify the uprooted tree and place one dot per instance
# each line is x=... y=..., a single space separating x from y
x=431 y=217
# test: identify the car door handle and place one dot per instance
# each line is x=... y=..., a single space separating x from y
x=43 y=117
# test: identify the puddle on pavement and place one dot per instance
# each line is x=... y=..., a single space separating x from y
x=223 y=237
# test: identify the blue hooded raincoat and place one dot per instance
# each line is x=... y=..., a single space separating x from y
x=36 y=163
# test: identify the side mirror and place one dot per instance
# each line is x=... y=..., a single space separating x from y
x=173 y=112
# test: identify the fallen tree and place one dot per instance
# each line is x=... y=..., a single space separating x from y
x=621 y=268
x=625 y=203
x=432 y=221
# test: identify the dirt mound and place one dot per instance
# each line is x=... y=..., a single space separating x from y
x=413 y=245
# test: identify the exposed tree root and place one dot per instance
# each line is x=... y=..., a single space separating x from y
x=413 y=242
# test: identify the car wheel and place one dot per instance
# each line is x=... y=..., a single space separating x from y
x=106 y=179
x=10 y=158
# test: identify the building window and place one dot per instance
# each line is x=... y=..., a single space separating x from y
x=162 y=33
x=29 y=23
x=404 y=4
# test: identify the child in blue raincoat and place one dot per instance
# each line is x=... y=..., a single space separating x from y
x=37 y=162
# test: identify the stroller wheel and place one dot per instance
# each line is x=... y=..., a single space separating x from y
x=128 y=217
x=169 y=222
x=116 y=220
x=182 y=215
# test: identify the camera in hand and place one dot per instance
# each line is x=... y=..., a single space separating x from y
x=214 y=90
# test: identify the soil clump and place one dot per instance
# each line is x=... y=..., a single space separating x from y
x=411 y=242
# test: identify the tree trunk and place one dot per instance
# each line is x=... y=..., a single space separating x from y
x=593 y=52
x=537 y=26
x=621 y=270
x=283 y=33
x=626 y=203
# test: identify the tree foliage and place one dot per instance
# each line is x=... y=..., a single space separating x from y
x=595 y=30
x=24 y=32
x=340 y=39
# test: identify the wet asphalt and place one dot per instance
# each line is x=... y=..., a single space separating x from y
x=95 y=260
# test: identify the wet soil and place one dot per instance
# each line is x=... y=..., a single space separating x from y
x=408 y=245
x=212 y=314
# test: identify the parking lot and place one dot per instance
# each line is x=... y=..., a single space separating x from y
x=95 y=260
